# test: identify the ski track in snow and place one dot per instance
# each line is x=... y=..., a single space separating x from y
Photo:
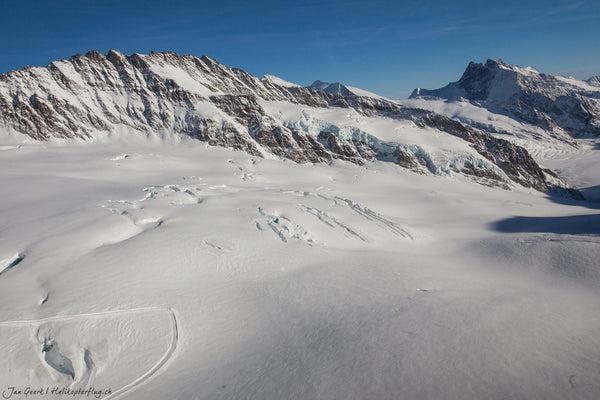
x=141 y=379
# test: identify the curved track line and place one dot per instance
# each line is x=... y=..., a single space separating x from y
x=158 y=365
x=148 y=374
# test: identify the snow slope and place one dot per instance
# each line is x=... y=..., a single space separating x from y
x=537 y=140
x=164 y=268
x=278 y=81
x=362 y=92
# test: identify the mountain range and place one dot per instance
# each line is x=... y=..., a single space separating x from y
x=198 y=97
x=172 y=228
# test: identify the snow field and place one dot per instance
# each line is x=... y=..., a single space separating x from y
x=183 y=271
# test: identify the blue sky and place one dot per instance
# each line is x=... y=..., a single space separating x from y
x=388 y=47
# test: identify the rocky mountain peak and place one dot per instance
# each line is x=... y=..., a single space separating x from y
x=564 y=106
x=95 y=56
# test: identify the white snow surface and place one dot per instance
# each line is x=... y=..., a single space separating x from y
x=530 y=71
x=278 y=81
x=162 y=268
x=193 y=84
x=365 y=93
x=541 y=144
x=579 y=83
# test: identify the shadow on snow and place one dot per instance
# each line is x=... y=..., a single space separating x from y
x=569 y=225
x=591 y=195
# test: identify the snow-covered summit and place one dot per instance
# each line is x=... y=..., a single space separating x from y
x=562 y=105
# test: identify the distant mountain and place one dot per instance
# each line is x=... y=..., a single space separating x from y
x=332 y=88
x=343 y=90
x=564 y=106
x=594 y=81
x=168 y=93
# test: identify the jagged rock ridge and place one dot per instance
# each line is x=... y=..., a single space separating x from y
x=224 y=106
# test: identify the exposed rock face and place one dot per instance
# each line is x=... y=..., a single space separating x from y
x=563 y=105
x=203 y=99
